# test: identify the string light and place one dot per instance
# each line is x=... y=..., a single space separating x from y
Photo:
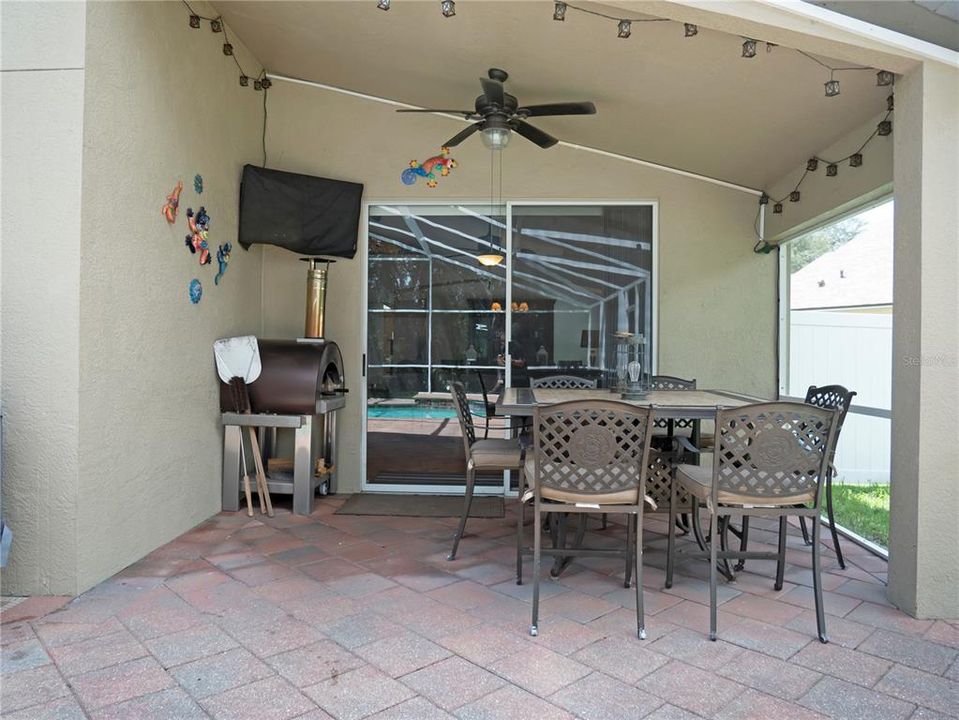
x=448 y=7
x=689 y=30
x=855 y=159
x=261 y=82
x=890 y=103
x=832 y=87
x=884 y=77
x=749 y=48
x=625 y=29
x=559 y=11
x=383 y=4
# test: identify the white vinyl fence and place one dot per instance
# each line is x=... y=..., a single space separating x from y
x=853 y=349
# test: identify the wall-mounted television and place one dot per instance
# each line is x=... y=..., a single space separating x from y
x=304 y=214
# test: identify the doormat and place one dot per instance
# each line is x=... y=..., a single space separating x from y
x=420 y=505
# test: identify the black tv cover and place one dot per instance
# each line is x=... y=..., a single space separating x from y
x=305 y=214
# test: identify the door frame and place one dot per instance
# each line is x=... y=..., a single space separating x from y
x=435 y=489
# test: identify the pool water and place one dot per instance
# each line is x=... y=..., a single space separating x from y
x=410 y=412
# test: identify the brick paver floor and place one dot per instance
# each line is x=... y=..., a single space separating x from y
x=347 y=617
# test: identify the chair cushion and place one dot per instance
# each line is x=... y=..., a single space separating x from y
x=697 y=480
x=623 y=497
x=496 y=453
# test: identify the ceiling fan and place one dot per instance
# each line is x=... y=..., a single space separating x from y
x=498 y=113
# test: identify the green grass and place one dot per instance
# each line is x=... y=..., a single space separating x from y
x=864 y=509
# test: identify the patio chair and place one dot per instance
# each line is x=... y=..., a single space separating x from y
x=489 y=454
x=563 y=382
x=833 y=397
x=590 y=456
x=770 y=460
x=489 y=411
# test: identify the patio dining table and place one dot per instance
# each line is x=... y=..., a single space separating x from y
x=692 y=404
x=670 y=404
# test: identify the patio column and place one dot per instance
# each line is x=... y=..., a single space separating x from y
x=924 y=522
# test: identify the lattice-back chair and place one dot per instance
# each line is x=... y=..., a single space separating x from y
x=487 y=454
x=770 y=459
x=591 y=456
x=671 y=425
x=513 y=424
x=563 y=382
x=834 y=397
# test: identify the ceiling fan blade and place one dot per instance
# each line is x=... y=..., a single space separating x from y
x=567 y=108
x=462 y=135
x=451 y=112
x=544 y=140
x=493 y=90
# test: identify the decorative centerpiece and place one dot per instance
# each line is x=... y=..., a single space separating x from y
x=637 y=369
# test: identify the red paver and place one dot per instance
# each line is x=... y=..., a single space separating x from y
x=351 y=617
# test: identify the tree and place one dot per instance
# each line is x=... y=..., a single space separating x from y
x=826 y=239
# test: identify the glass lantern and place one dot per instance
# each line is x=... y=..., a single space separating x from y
x=637 y=369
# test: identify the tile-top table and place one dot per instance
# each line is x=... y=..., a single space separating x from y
x=695 y=404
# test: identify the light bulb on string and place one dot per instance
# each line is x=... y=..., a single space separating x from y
x=559 y=11
x=383 y=4
x=689 y=30
x=448 y=7
x=749 y=48
x=624 y=29
x=832 y=86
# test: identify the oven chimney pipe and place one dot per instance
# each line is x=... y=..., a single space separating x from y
x=316 y=297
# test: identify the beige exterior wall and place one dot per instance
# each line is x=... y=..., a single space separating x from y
x=163 y=103
x=923 y=533
x=42 y=151
x=714 y=291
x=113 y=444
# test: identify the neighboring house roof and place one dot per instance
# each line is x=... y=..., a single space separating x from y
x=858 y=273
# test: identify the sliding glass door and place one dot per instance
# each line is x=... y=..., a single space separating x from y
x=581 y=290
x=490 y=298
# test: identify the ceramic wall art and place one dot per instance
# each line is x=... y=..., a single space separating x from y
x=222 y=258
x=441 y=163
x=198 y=184
x=196 y=291
x=172 y=203
x=196 y=241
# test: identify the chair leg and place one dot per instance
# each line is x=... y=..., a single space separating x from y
x=817 y=579
x=537 y=558
x=713 y=573
x=638 y=558
x=605 y=517
x=743 y=543
x=697 y=525
x=519 y=538
x=470 y=479
x=781 y=559
x=832 y=524
x=628 y=574
x=671 y=536
x=724 y=523
x=805 y=530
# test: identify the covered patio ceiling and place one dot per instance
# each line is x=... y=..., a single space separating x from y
x=692 y=103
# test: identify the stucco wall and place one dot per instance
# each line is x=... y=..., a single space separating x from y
x=162 y=103
x=42 y=144
x=717 y=308
x=923 y=534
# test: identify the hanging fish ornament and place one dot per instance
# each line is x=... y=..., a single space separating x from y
x=172 y=203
